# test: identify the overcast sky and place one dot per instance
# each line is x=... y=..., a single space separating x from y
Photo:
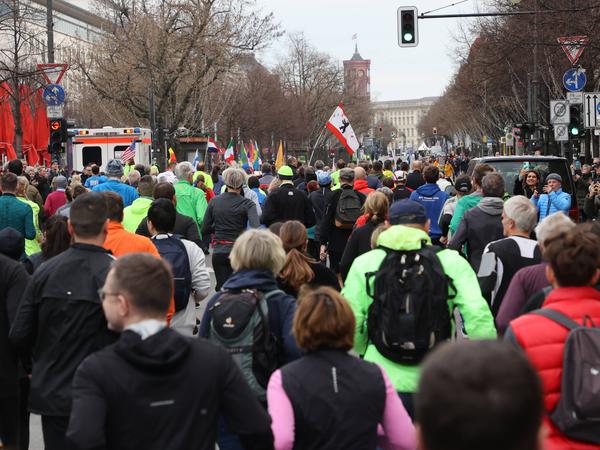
x=396 y=73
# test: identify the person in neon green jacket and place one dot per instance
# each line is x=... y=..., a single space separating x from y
x=191 y=202
x=207 y=178
x=31 y=245
x=407 y=232
x=135 y=213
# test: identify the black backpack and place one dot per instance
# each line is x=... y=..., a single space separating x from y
x=173 y=250
x=409 y=314
x=348 y=209
x=240 y=323
x=577 y=413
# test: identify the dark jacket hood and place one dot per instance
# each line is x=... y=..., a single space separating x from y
x=428 y=189
x=162 y=351
x=252 y=278
x=12 y=243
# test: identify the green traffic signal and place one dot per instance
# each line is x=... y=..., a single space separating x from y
x=408 y=35
x=574 y=131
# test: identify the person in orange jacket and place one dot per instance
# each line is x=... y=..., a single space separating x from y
x=121 y=242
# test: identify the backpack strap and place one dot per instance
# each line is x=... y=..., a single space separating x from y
x=557 y=317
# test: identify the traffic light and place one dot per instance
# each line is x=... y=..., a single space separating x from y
x=408 y=35
x=576 y=130
x=58 y=135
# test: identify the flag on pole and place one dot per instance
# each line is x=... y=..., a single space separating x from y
x=172 y=157
x=279 y=160
x=212 y=146
x=340 y=127
x=244 y=156
x=129 y=153
x=257 y=160
x=354 y=36
x=196 y=159
x=229 y=152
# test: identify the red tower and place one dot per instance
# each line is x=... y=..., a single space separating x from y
x=357 y=75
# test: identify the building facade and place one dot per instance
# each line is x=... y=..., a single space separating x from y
x=403 y=116
x=357 y=75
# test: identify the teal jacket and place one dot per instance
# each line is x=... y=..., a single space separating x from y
x=463 y=205
x=18 y=215
x=478 y=320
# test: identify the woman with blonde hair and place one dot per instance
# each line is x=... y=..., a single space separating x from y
x=346 y=398
x=256 y=258
x=376 y=208
x=299 y=268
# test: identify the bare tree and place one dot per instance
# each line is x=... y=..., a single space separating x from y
x=177 y=52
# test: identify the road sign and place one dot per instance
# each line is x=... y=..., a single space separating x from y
x=559 y=111
x=574 y=79
x=561 y=133
x=575 y=98
x=573 y=46
x=54 y=111
x=54 y=95
x=52 y=73
x=591 y=113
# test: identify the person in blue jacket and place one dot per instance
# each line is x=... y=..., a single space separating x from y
x=553 y=199
x=433 y=199
x=114 y=172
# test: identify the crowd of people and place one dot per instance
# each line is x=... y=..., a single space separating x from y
x=369 y=305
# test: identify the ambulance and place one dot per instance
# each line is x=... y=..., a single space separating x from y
x=100 y=145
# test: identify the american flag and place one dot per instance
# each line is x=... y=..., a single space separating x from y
x=129 y=153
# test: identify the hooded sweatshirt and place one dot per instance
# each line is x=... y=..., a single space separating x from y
x=362 y=186
x=478 y=321
x=177 y=385
x=134 y=214
x=479 y=226
x=432 y=198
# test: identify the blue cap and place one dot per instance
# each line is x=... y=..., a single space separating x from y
x=323 y=178
x=407 y=212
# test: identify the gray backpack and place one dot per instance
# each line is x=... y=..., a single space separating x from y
x=240 y=323
x=577 y=413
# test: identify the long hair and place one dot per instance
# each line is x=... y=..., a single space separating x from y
x=57 y=237
x=296 y=269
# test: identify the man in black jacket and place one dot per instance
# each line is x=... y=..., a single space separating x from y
x=154 y=388
x=287 y=203
x=60 y=319
x=415 y=178
x=184 y=225
x=14 y=419
x=333 y=237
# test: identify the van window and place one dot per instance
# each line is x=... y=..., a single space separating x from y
x=510 y=171
x=91 y=155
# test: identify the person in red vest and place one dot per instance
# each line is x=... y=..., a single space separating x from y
x=57 y=197
x=573 y=271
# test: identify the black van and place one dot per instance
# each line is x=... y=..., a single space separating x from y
x=510 y=167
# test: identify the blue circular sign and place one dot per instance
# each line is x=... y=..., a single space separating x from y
x=574 y=80
x=54 y=95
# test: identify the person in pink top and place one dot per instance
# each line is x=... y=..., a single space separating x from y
x=329 y=399
x=57 y=197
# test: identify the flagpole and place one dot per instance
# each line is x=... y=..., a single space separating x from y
x=315 y=146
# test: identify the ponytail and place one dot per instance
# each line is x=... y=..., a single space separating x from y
x=296 y=269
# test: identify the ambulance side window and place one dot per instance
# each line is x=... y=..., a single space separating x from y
x=119 y=149
x=91 y=155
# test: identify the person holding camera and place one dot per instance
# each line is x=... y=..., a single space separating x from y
x=591 y=205
x=552 y=199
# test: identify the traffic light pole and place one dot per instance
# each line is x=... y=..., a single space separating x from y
x=50 y=31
